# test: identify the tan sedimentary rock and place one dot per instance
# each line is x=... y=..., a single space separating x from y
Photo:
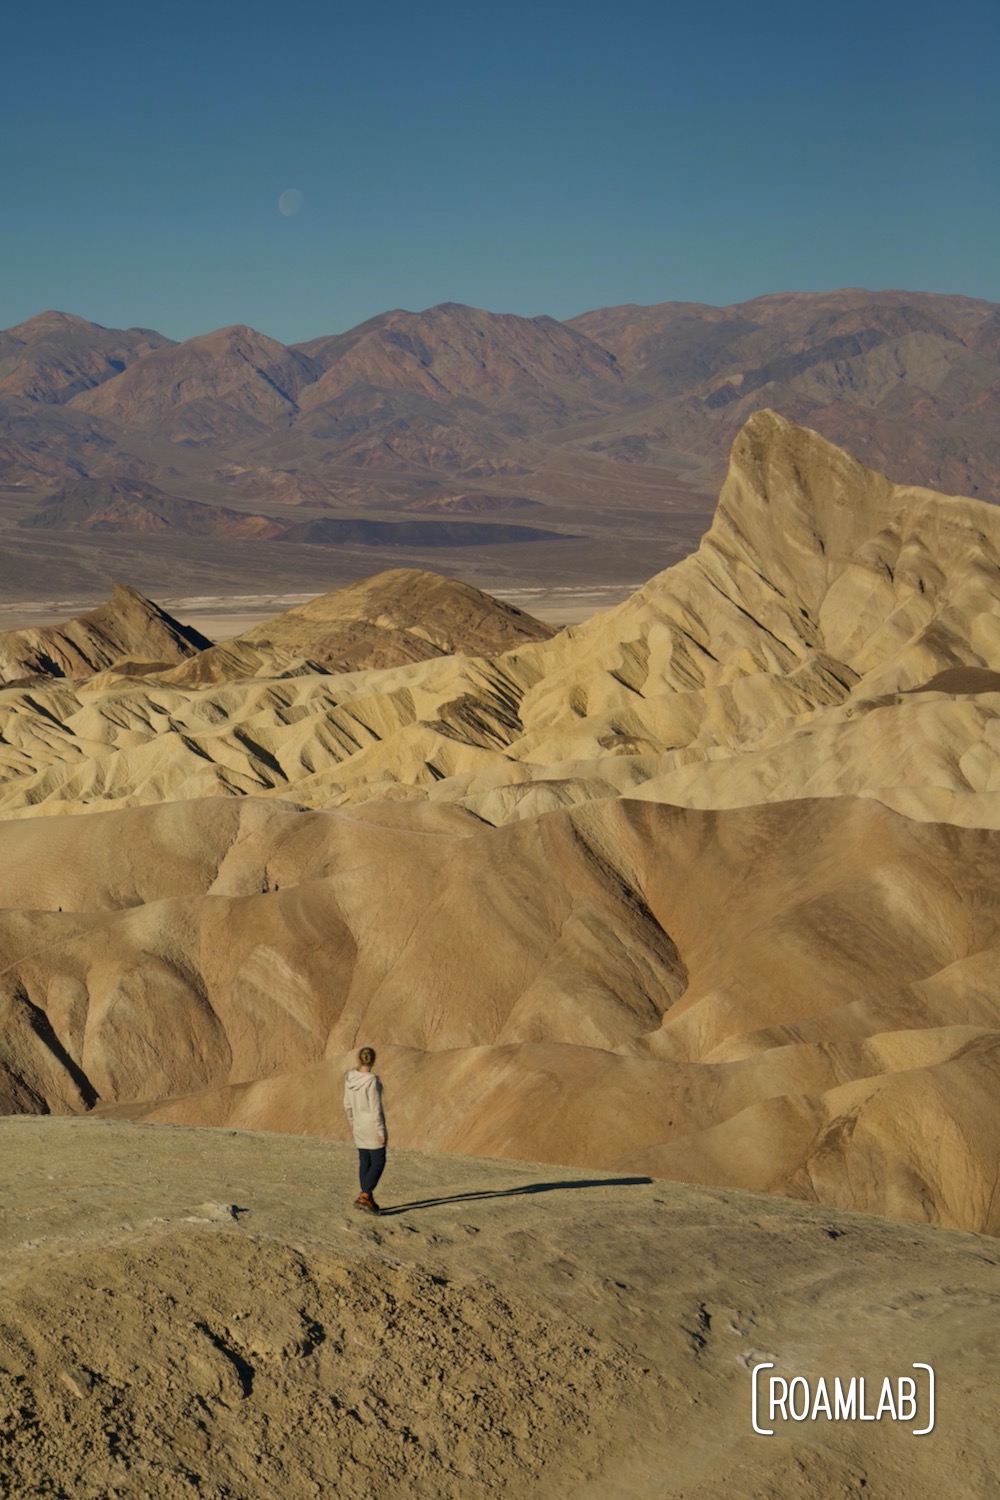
x=404 y=615
x=619 y=985
x=705 y=887
x=126 y=628
x=819 y=593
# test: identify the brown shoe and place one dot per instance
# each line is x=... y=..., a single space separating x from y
x=364 y=1201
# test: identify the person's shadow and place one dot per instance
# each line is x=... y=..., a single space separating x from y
x=514 y=1192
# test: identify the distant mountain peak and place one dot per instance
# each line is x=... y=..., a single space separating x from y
x=212 y=388
x=53 y=321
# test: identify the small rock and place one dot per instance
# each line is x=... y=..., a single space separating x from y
x=217 y=1213
x=79 y=1383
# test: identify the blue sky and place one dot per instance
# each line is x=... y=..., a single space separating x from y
x=524 y=158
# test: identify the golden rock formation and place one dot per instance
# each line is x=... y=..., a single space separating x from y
x=704 y=888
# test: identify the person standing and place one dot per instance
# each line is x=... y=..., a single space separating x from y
x=363 y=1108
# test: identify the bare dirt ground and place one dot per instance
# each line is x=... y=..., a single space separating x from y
x=202 y=1312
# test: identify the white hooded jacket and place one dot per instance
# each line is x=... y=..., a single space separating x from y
x=363 y=1108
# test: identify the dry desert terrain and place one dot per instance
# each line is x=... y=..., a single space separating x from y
x=696 y=899
x=184 y=1312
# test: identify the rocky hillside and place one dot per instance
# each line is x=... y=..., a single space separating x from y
x=907 y=382
x=212 y=388
x=127 y=505
x=385 y=621
x=53 y=357
x=127 y=632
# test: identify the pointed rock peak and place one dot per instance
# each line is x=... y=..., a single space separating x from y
x=132 y=613
x=795 y=471
x=124 y=596
x=766 y=432
x=794 y=507
x=126 y=626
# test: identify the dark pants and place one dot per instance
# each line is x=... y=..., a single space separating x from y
x=371 y=1165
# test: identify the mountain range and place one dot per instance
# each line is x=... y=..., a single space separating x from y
x=675 y=931
x=597 y=439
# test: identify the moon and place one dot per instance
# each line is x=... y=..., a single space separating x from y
x=290 y=201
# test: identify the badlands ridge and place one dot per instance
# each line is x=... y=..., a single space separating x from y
x=703 y=889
